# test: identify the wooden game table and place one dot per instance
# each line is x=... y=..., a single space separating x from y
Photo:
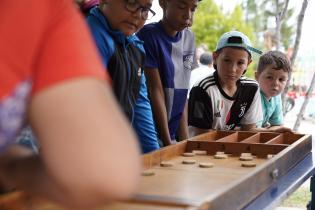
x=282 y=163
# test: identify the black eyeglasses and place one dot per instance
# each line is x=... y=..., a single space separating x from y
x=134 y=6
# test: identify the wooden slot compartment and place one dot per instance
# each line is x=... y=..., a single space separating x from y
x=235 y=148
x=212 y=136
x=238 y=136
x=285 y=138
x=261 y=138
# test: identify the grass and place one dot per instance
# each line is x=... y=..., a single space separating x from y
x=299 y=198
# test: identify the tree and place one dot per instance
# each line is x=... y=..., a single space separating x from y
x=294 y=54
x=260 y=12
x=280 y=13
x=210 y=23
x=295 y=49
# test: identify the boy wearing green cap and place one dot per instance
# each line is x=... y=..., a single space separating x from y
x=226 y=99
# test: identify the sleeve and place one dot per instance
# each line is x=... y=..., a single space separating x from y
x=150 y=47
x=200 y=112
x=195 y=61
x=277 y=116
x=66 y=50
x=143 y=122
x=254 y=114
x=104 y=44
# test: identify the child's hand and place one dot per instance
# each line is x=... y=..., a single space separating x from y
x=280 y=129
x=6 y=162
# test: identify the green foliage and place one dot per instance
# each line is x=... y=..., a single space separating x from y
x=210 y=23
x=299 y=198
x=260 y=13
x=287 y=31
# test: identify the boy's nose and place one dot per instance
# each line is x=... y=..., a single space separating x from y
x=188 y=14
x=233 y=67
x=276 y=82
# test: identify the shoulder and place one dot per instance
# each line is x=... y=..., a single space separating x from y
x=150 y=29
x=97 y=23
x=151 y=36
x=249 y=82
x=187 y=38
x=206 y=83
x=188 y=32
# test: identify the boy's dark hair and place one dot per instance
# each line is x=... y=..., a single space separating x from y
x=275 y=58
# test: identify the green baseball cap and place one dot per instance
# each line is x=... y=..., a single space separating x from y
x=236 y=39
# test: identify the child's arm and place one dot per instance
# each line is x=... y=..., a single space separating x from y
x=182 y=131
x=277 y=129
x=157 y=98
x=79 y=153
x=200 y=114
x=249 y=127
x=197 y=131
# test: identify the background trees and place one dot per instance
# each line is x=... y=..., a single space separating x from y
x=270 y=24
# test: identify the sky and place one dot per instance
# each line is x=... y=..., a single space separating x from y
x=306 y=54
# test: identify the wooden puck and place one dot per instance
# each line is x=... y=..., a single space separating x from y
x=148 y=173
x=188 y=154
x=269 y=156
x=200 y=152
x=220 y=156
x=246 y=154
x=246 y=158
x=206 y=165
x=248 y=164
x=189 y=161
x=166 y=164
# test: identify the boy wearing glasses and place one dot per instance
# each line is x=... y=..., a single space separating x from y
x=113 y=24
x=170 y=50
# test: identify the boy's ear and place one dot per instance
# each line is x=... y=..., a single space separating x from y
x=256 y=75
x=249 y=61
x=214 y=57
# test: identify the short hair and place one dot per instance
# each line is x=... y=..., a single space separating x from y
x=275 y=58
x=205 y=58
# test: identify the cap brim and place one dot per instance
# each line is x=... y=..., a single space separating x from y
x=254 y=50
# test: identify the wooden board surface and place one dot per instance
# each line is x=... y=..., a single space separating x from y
x=190 y=184
x=189 y=187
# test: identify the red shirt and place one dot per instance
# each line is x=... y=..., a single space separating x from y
x=43 y=42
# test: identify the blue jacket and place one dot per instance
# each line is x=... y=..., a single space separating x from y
x=124 y=58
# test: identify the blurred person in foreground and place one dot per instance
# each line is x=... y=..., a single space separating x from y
x=56 y=83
